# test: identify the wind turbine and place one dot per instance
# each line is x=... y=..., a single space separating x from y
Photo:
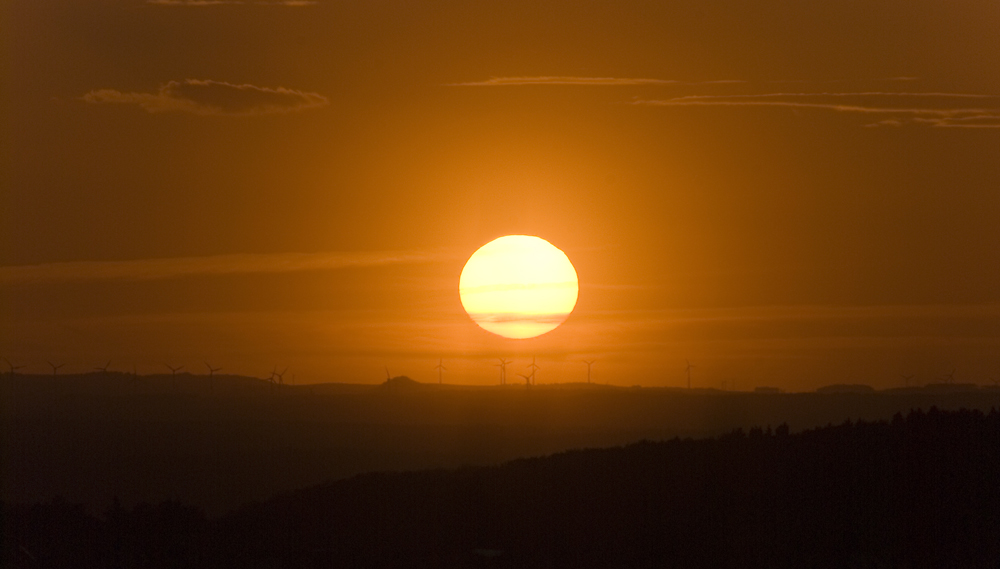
x=503 y=370
x=104 y=369
x=948 y=377
x=270 y=379
x=440 y=367
x=211 y=372
x=173 y=374
x=281 y=376
x=527 y=378
x=688 y=370
x=13 y=368
x=533 y=367
x=589 y=363
x=55 y=368
x=388 y=380
x=906 y=379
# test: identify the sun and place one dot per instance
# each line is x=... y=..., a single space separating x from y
x=519 y=286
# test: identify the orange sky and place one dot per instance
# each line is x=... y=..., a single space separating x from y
x=784 y=193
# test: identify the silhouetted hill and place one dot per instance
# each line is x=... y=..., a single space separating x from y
x=217 y=443
x=401 y=382
x=914 y=492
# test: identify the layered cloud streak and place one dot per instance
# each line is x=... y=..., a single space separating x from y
x=584 y=81
x=215 y=265
x=207 y=97
x=984 y=114
x=936 y=109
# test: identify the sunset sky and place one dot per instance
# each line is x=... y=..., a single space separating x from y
x=784 y=193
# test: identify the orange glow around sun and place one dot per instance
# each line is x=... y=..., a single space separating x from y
x=519 y=286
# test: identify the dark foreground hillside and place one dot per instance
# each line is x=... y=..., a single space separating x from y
x=923 y=491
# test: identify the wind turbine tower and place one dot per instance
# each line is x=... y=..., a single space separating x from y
x=949 y=377
x=13 y=368
x=503 y=370
x=211 y=372
x=173 y=374
x=533 y=367
x=589 y=363
x=440 y=368
x=688 y=370
x=271 y=380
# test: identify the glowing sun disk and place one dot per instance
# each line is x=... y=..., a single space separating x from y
x=519 y=286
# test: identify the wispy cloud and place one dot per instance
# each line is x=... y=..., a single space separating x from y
x=829 y=106
x=170 y=268
x=805 y=312
x=926 y=114
x=506 y=287
x=930 y=95
x=221 y=2
x=990 y=119
x=567 y=80
x=515 y=317
x=207 y=97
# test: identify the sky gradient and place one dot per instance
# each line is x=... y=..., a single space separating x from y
x=784 y=193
